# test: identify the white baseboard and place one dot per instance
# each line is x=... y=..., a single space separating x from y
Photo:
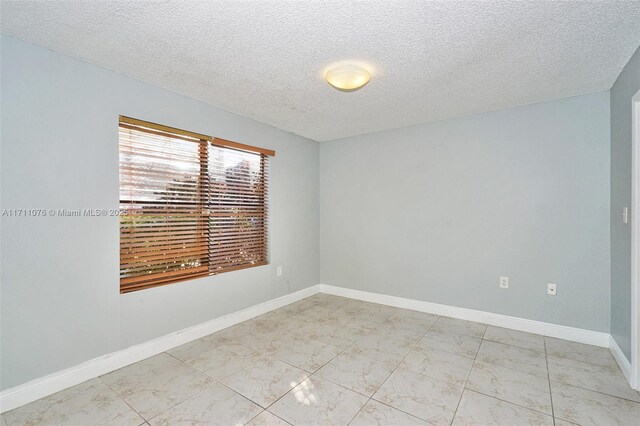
x=622 y=360
x=44 y=386
x=538 y=327
x=23 y=394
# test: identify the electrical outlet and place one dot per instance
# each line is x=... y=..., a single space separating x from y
x=279 y=271
x=504 y=282
x=551 y=289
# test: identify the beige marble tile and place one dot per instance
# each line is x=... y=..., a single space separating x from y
x=197 y=347
x=267 y=419
x=389 y=330
x=419 y=322
x=332 y=334
x=268 y=323
x=363 y=324
x=579 y=352
x=297 y=307
x=424 y=397
x=512 y=386
x=307 y=354
x=560 y=422
x=388 y=344
x=377 y=353
x=457 y=344
x=265 y=380
x=213 y=405
x=219 y=361
x=264 y=342
x=607 y=380
x=303 y=326
x=156 y=384
x=387 y=310
x=478 y=409
x=279 y=316
x=440 y=365
x=91 y=402
x=588 y=408
x=352 y=309
x=378 y=414
x=318 y=402
x=356 y=372
x=372 y=311
x=510 y=367
x=331 y=300
x=320 y=312
x=376 y=308
x=515 y=338
x=237 y=333
x=458 y=326
x=519 y=359
x=296 y=321
x=345 y=311
x=322 y=297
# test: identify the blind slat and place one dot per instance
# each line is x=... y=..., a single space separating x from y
x=191 y=207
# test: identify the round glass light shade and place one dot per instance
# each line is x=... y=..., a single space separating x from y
x=347 y=77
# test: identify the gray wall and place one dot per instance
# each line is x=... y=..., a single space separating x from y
x=627 y=84
x=59 y=285
x=433 y=212
x=438 y=212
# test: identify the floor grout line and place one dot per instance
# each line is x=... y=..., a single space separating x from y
x=352 y=313
x=385 y=380
x=219 y=381
x=123 y=400
x=496 y=398
x=546 y=360
x=595 y=391
x=514 y=346
x=464 y=387
x=313 y=373
x=508 y=402
x=556 y=380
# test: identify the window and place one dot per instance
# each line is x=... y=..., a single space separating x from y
x=191 y=205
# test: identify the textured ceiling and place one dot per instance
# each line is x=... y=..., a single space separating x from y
x=430 y=60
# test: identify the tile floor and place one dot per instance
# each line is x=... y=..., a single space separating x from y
x=328 y=360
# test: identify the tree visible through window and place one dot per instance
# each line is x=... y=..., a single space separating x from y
x=191 y=205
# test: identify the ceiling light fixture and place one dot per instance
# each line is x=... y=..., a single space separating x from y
x=347 y=76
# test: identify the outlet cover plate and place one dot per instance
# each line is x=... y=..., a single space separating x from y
x=504 y=282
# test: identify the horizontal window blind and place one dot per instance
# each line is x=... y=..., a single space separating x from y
x=238 y=220
x=189 y=208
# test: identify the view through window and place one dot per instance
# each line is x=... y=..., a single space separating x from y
x=191 y=205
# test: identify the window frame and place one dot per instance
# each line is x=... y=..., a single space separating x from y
x=139 y=280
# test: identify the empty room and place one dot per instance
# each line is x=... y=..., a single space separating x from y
x=322 y=212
